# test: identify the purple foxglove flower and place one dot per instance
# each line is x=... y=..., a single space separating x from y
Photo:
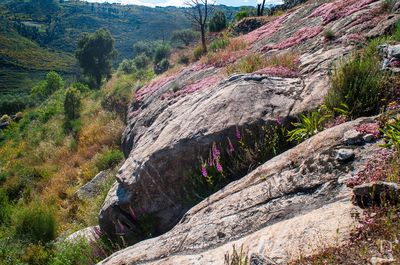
x=203 y=170
x=279 y=120
x=218 y=166
x=215 y=152
x=238 y=136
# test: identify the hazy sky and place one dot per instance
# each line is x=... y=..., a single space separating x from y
x=180 y=2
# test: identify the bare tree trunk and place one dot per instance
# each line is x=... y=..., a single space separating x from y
x=203 y=39
x=262 y=8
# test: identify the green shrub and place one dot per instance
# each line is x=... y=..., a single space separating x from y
x=329 y=35
x=183 y=59
x=36 y=254
x=357 y=83
x=45 y=88
x=72 y=104
x=388 y=5
x=309 y=125
x=5 y=207
x=35 y=223
x=241 y=14
x=77 y=253
x=109 y=159
x=197 y=53
x=162 y=51
x=83 y=88
x=186 y=36
x=5 y=118
x=219 y=44
x=126 y=66
x=248 y=64
x=143 y=47
x=217 y=22
x=141 y=61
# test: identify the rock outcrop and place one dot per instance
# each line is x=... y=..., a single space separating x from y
x=294 y=204
x=175 y=119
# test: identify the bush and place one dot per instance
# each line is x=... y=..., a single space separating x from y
x=357 y=83
x=219 y=44
x=329 y=35
x=5 y=118
x=45 y=88
x=217 y=22
x=241 y=14
x=198 y=52
x=126 y=66
x=143 y=47
x=5 y=207
x=141 y=61
x=248 y=64
x=162 y=66
x=162 y=51
x=35 y=223
x=183 y=59
x=109 y=159
x=36 y=254
x=72 y=104
x=186 y=36
x=388 y=5
x=10 y=104
x=77 y=253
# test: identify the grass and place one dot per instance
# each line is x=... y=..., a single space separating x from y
x=254 y=62
x=357 y=82
x=41 y=162
x=309 y=125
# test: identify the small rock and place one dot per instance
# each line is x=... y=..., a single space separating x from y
x=91 y=188
x=381 y=261
x=376 y=193
x=368 y=138
x=352 y=137
x=345 y=155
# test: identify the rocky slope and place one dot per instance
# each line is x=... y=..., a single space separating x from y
x=297 y=196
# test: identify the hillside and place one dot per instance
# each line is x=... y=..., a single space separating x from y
x=279 y=145
x=50 y=32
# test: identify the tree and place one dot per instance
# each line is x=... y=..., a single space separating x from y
x=198 y=12
x=162 y=51
x=45 y=88
x=260 y=8
x=217 y=22
x=186 y=36
x=145 y=47
x=95 y=52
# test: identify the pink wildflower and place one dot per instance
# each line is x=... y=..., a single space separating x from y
x=203 y=170
x=215 y=152
x=238 y=136
x=218 y=166
x=369 y=128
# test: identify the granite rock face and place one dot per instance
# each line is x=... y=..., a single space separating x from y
x=299 y=197
x=174 y=120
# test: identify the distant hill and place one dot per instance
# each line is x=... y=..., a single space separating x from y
x=41 y=35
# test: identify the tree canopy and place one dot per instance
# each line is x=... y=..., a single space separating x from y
x=95 y=52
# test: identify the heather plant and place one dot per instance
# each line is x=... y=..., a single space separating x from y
x=309 y=124
x=235 y=157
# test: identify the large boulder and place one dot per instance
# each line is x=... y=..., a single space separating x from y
x=296 y=203
x=174 y=120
